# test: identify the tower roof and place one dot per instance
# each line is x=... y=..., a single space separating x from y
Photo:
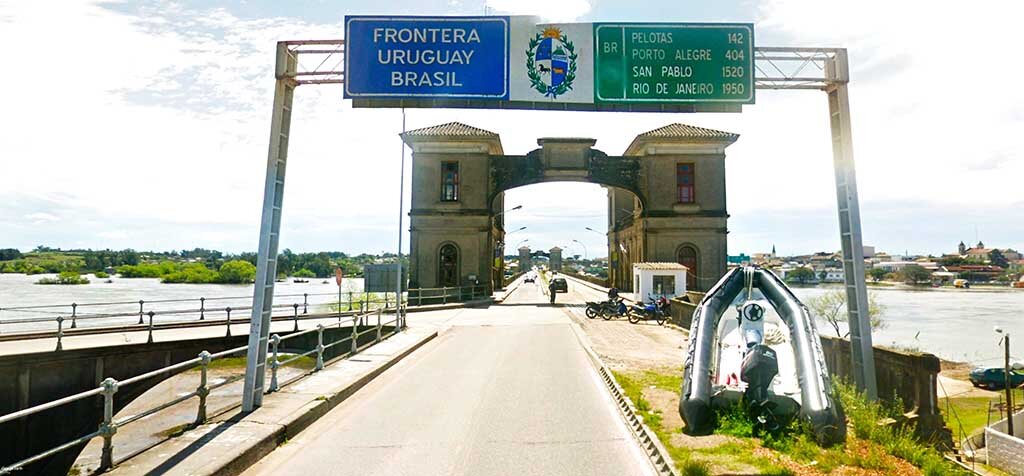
x=450 y=129
x=453 y=137
x=681 y=133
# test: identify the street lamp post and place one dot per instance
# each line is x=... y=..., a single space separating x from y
x=584 y=248
x=1006 y=376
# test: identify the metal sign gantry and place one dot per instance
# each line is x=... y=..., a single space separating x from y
x=823 y=69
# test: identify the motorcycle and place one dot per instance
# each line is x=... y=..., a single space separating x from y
x=606 y=309
x=656 y=310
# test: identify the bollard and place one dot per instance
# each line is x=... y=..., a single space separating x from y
x=150 y=339
x=349 y=300
x=305 y=303
x=141 y=302
x=444 y=292
x=319 y=347
x=355 y=336
x=378 y=325
x=107 y=428
x=274 y=364
x=202 y=309
x=60 y=332
x=228 y=310
x=202 y=391
x=295 y=316
x=74 y=314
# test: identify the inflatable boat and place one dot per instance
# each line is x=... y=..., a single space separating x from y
x=766 y=354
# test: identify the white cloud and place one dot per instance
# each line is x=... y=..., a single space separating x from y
x=40 y=217
x=156 y=122
x=557 y=11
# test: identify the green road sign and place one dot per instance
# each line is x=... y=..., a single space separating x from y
x=673 y=63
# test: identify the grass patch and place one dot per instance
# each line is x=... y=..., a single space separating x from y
x=972 y=413
x=237 y=363
x=175 y=431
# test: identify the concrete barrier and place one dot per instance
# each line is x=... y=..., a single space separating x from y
x=1005 y=452
x=908 y=377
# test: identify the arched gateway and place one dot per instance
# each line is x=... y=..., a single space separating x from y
x=666 y=194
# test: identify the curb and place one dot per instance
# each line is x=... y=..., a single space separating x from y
x=229 y=446
x=649 y=442
x=290 y=429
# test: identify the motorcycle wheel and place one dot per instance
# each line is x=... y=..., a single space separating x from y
x=661 y=320
x=591 y=313
x=633 y=318
x=607 y=315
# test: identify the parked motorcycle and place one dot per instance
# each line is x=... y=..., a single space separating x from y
x=656 y=309
x=606 y=309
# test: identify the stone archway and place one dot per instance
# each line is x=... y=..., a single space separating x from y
x=689 y=256
x=646 y=224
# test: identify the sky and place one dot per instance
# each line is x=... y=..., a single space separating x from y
x=144 y=125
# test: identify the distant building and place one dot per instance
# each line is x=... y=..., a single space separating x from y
x=659 y=279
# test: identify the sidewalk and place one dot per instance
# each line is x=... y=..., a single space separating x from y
x=230 y=443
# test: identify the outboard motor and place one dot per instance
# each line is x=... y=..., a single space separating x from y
x=760 y=366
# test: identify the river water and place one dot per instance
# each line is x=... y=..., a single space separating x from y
x=19 y=291
x=954 y=324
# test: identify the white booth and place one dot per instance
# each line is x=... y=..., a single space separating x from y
x=658 y=279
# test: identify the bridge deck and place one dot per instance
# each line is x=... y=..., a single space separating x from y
x=507 y=390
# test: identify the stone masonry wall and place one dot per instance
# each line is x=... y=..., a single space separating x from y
x=1005 y=452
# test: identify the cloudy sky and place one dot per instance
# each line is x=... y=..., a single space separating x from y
x=144 y=125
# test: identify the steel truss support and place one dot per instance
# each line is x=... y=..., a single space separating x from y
x=824 y=69
x=827 y=69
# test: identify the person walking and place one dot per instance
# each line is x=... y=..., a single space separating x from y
x=552 y=291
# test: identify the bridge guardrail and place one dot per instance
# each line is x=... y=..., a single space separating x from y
x=357 y=301
x=109 y=386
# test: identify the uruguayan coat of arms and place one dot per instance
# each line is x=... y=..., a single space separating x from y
x=551 y=63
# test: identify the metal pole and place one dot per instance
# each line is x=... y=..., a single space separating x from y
x=228 y=310
x=202 y=391
x=270 y=229
x=60 y=332
x=401 y=205
x=274 y=364
x=1009 y=388
x=295 y=316
x=149 y=340
x=837 y=72
x=107 y=428
x=202 y=309
x=74 y=314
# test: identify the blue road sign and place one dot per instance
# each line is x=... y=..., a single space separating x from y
x=426 y=57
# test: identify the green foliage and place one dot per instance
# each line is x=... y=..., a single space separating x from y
x=865 y=417
x=237 y=272
x=101 y=274
x=877 y=274
x=734 y=421
x=65 y=277
x=913 y=274
x=831 y=308
x=800 y=275
x=149 y=270
x=304 y=273
x=7 y=254
x=192 y=273
x=996 y=258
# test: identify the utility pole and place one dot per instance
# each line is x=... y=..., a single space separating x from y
x=1009 y=388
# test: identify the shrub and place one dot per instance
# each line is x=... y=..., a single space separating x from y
x=304 y=273
x=237 y=272
x=101 y=275
x=65 y=277
x=194 y=273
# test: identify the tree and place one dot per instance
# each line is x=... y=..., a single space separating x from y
x=877 y=274
x=304 y=273
x=913 y=274
x=996 y=258
x=7 y=254
x=237 y=272
x=831 y=308
x=801 y=275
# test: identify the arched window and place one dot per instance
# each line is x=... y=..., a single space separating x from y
x=448 y=266
x=687 y=256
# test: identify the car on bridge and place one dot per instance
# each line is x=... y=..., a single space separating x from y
x=994 y=378
x=560 y=286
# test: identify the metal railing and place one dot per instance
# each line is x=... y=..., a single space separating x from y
x=446 y=295
x=109 y=386
x=207 y=311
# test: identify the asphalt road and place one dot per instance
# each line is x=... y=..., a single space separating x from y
x=504 y=390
